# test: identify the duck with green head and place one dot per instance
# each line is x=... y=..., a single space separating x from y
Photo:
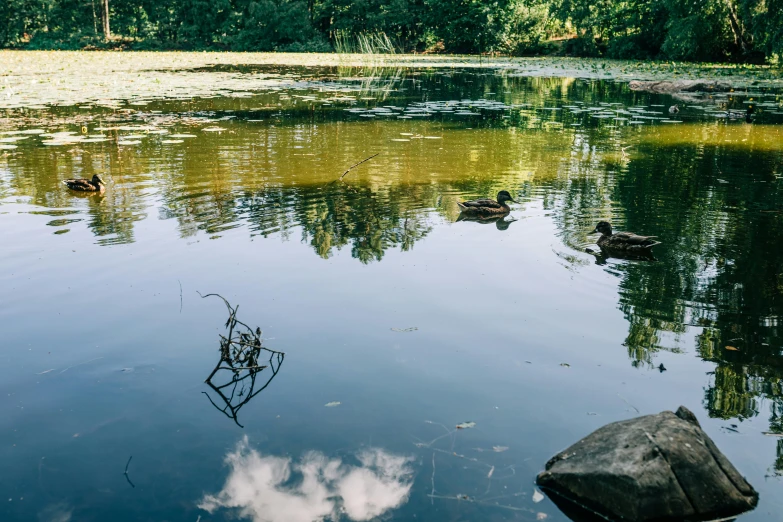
x=487 y=207
x=96 y=184
x=623 y=241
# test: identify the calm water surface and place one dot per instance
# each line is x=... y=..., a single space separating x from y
x=397 y=321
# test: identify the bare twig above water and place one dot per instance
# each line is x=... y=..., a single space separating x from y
x=239 y=359
x=357 y=164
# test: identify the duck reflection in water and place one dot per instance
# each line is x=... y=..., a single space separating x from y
x=235 y=377
x=500 y=221
x=603 y=256
x=264 y=488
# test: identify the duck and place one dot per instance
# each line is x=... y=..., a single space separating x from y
x=674 y=109
x=487 y=207
x=748 y=115
x=627 y=242
x=96 y=184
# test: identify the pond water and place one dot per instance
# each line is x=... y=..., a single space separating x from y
x=398 y=322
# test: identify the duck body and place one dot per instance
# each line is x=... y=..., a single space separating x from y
x=487 y=207
x=96 y=184
x=624 y=242
x=748 y=115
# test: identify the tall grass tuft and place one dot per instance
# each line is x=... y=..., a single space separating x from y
x=364 y=43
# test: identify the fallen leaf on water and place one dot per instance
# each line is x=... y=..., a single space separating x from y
x=541 y=516
x=537 y=496
x=566 y=365
x=499 y=449
x=491 y=471
x=332 y=404
x=732 y=348
x=466 y=425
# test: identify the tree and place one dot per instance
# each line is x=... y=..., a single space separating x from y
x=105 y=17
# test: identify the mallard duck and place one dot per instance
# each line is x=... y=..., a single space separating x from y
x=736 y=115
x=487 y=207
x=623 y=241
x=674 y=109
x=96 y=184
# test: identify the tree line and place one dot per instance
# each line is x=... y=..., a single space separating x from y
x=694 y=30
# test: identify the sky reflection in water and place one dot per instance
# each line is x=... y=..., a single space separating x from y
x=324 y=488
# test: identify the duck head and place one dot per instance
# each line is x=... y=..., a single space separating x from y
x=97 y=180
x=604 y=227
x=504 y=196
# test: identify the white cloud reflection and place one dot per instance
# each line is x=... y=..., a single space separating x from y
x=261 y=487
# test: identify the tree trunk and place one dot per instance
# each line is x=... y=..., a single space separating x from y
x=106 y=27
x=94 y=18
x=736 y=28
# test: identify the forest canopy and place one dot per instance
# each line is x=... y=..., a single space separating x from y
x=693 y=30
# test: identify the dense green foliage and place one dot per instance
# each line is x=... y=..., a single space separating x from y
x=702 y=30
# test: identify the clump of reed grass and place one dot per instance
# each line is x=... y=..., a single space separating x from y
x=364 y=43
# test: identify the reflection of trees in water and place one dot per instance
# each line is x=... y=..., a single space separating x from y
x=111 y=215
x=720 y=269
x=337 y=215
x=723 y=270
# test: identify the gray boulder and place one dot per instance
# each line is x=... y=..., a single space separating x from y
x=672 y=86
x=659 y=468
